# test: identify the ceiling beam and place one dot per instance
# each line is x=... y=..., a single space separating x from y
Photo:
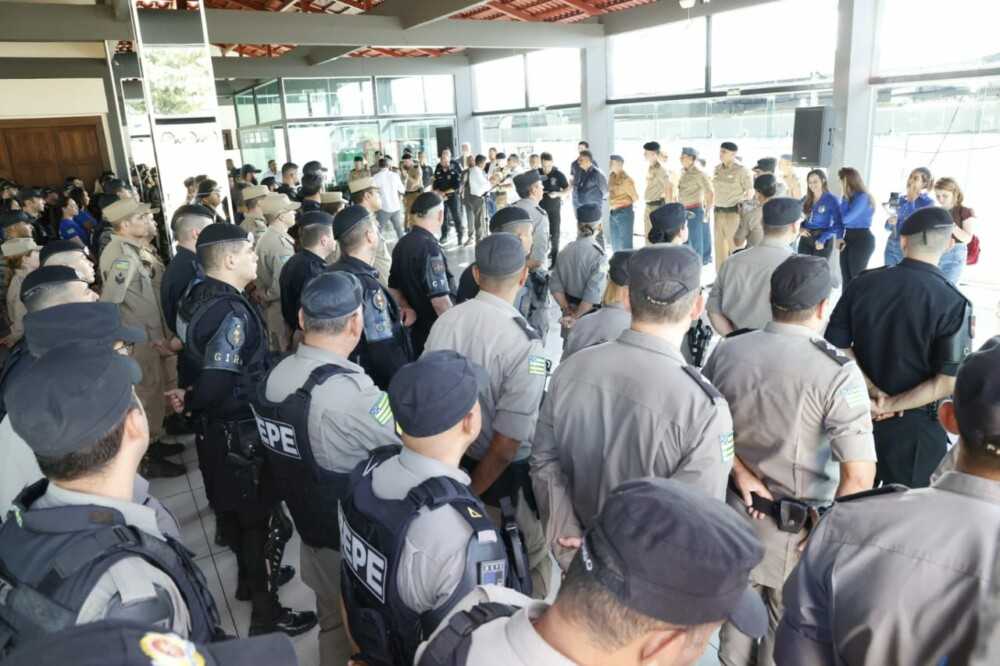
x=414 y=14
x=269 y=68
x=659 y=13
x=319 y=55
x=510 y=11
x=585 y=7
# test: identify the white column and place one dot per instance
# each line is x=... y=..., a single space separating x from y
x=594 y=109
x=467 y=124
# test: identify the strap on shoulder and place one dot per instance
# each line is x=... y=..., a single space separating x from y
x=839 y=357
x=699 y=379
x=451 y=646
x=888 y=489
x=319 y=376
x=739 y=331
x=530 y=331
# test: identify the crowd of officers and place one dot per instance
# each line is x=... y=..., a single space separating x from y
x=411 y=429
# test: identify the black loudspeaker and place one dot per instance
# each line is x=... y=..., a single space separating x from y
x=812 y=138
x=445 y=139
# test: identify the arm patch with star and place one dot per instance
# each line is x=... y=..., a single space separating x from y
x=117 y=280
x=223 y=351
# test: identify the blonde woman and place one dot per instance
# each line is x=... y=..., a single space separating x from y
x=21 y=257
x=966 y=250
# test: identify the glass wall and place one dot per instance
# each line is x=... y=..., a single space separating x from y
x=413 y=136
x=553 y=77
x=319 y=98
x=268 y=98
x=555 y=132
x=639 y=65
x=246 y=114
x=414 y=95
x=333 y=143
x=499 y=84
x=259 y=145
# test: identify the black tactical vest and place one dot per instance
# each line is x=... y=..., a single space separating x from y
x=18 y=354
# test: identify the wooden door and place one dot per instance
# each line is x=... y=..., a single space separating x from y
x=45 y=151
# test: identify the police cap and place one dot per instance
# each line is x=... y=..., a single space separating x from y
x=426 y=202
x=664 y=273
x=800 y=282
x=313 y=166
x=362 y=185
x=615 y=157
x=618 y=267
x=927 y=219
x=347 y=219
x=119 y=209
x=114 y=643
x=60 y=246
x=315 y=217
x=663 y=551
x=523 y=181
x=46 y=275
x=13 y=217
x=730 y=146
x=205 y=188
x=765 y=184
x=432 y=394
x=653 y=146
x=588 y=214
x=506 y=218
x=331 y=294
x=977 y=398
x=331 y=197
x=500 y=254
x=668 y=217
x=689 y=151
x=71 y=323
x=26 y=193
x=221 y=232
x=254 y=192
x=71 y=397
x=767 y=164
x=781 y=212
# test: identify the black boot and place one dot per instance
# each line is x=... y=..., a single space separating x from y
x=158 y=468
x=285 y=620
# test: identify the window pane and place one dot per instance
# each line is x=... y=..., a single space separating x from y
x=499 y=84
x=640 y=66
x=556 y=132
x=439 y=94
x=916 y=35
x=333 y=144
x=245 y=112
x=806 y=31
x=399 y=95
x=318 y=98
x=412 y=136
x=554 y=77
x=268 y=102
x=260 y=145
x=181 y=81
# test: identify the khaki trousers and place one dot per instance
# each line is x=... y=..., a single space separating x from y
x=738 y=649
x=154 y=383
x=647 y=224
x=534 y=541
x=724 y=231
x=408 y=200
x=277 y=330
x=321 y=572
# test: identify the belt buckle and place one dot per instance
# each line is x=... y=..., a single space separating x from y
x=792 y=515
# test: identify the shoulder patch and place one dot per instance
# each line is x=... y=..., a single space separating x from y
x=539 y=365
x=164 y=648
x=381 y=411
x=855 y=395
x=838 y=356
x=727 y=442
x=528 y=329
x=740 y=331
x=701 y=381
x=874 y=492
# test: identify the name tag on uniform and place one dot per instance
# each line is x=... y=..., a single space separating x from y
x=277 y=436
x=366 y=563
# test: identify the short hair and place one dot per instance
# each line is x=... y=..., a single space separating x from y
x=480 y=160
x=48 y=295
x=926 y=173
x=586 y=153
x=533 y=155
x=514 y=156
x=354 y=238
x=88 y=460
x=211 y=256
x=189 y=181
x=585 y=144
x=288 y=167
x=783 y=316
x=498 y=282
x=184 y=225
x=934 y=241
x=501 y=156
x=430 y=212
x=312 y=183
x=546 y=157
x=768 y=191
x=383 y=163
x=313 y=235
x=645 y=310
x=334 y=326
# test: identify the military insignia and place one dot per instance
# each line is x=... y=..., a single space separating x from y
x=120 y=278
x=474 y=513
x=855 y=396
x=170 y=650
x=437 y=265
x=235 y=335
x=821 y=209
x=727 y=444
x=378 y=300
x=381 y=411
x=538 y=365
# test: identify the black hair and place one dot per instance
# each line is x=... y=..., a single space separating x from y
x=586 y=153
x=585 y=144
x=288 y=167
x=312 y=184
x=546 y=157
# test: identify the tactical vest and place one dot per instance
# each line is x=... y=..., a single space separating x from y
x=53 y=558
x=310 y=491
x=18 y=354
x=452 y=644
x=373 y=533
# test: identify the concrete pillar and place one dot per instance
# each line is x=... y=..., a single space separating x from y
x=596 y=115
x=467 y=125
x=853 y=97
x=116 y=125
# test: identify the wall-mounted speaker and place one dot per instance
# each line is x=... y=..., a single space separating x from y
x=812 y=138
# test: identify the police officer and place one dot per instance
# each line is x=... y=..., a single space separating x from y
x=21 y=254
x=71 y=254
x=695 y=192
x=132 y=276
x=897 y=563
x=77 y=549
x=556 y=187
x=274 y=248
x=596 y=428
x=750 y=232
x=909 y=328
x=413 y=184
x=253 y=219
x=415 y=540
x=512 y=220
x=32 y=203
x=739 y=297
x=419 y=279
x=316 y=243
x=210 y=196
x=309 y=194
x=512 y=356
x=613 y=317
x=365 y=193
x=531 y=192
x=289 y=179
x=612 y=606
x=803 y=431
x=319 y=415
x=659 y=189
x=385 y=345
x=733 y=184
x=581 y=275
x=447 y=181
x=226 y=339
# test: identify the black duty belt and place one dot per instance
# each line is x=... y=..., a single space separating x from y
x=790 y=514
x=727 y=209
x=657 y=203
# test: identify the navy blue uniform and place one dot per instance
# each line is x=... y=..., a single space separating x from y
x=554 y=181
x=303 y=266
x=445 y=180
x=420 y=272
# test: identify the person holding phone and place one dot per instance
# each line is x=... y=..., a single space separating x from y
x=824 y=224
x=916 y=197
x=856 y=209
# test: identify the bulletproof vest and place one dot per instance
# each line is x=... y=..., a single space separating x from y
x=56 y=557
x=310 y=491
x=18 y=354
x=452 y=644
x=373 y=532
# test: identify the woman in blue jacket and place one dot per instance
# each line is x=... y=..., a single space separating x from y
x=823 y=224
x=856 y=210
x=916 y=198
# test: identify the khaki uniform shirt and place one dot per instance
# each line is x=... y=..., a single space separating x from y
x=658 y=185
x=793 y=185
x=694 y=187
x=895 y=579
x=358 y=174
x=432 y=562
x=623 y=411
x=751 y=226
x=539 y=229
x=581 y=271
x=509 y=641
x=513 y=359
x=15 y=308
x=731 y=184
x=348 y=416
x=742 y=290
x=132 y=275
x=132 y=579
x=274 y=248
x=800 y=408
x=413 y=179
x=254 y=223
x=621 y=191
x=597 y=327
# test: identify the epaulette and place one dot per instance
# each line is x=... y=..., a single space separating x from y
x=838 y=356
x=874 y=492
x=699 y=379
x=528 y=329
x=740 y=331
x=601 y=250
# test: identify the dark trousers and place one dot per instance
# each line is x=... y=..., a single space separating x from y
x=858 y=249
x=553 y=208
x=246 y=534
x=808 y=246
x=909 y=448
x=452 y=216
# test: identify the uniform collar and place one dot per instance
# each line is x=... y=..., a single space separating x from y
x=968 y=484
x=420 y=229
x=919 y=265
x=362 y=266
x=651 y=343
x=128 y=241
x=790 y=329
x=133 y=513
x=325 y=356
x=183 y=251
x=526 y=642
x=773 y=242
x=424 y=468
x=497 y=302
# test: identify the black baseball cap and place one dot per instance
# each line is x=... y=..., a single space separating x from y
x=768 y=164
x=26 y=193
x=927 y=219
x=977 y=398
x=670 y=552
x=500 y=254
x=77 y=323
x=664 y=273
x=331 y=294
x=424 y=203
x=432 y=394
x=800 y=282
x=509 y=216
x=249 y=168
x=618 y=267
x=313 y=166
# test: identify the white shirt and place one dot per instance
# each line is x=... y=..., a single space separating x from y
x=271 y=174
x=479 y=184
x=389 y=188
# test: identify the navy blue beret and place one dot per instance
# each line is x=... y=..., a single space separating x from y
x=331 y=294
x=221 y=232
x=523 y=181
x=425 y=203
x=730 y=146
x=781 y=212
x=664 y=273
x=668 y=217
x=509 y=216
x=500 y=254
x=926 y=219
x=315 y=217
x=60 y=246
x=588 y=214
x=618 y=267
x=47 y=275
x=651 y=145
x=432 y=394
x=70 y=323
x=800 y=282
x=347 y=219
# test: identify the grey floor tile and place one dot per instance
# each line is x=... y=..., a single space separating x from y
x=166 y=488
x=184 y=508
